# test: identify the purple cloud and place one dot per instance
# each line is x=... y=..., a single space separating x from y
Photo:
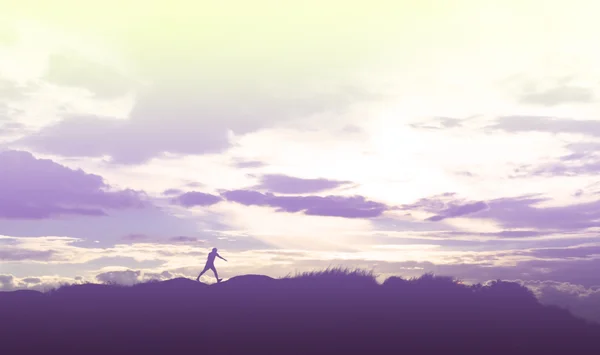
x=333 y=206
x=7 y=282
x=516 y=213
x=135 y=237
x=459 y=210
x=446 y=206
x=565 y=253
x=584 y=147
x=547 y=124
x=561 y=169
x=160 y=239
x=433 y=204
x=133 y=141
x=171 y=192
x=32 y=280
x=514 y=234
x=583 y=271
x=184 y=239
x=244 y=164
x=33 y=188
x=584 y=159
x=522 y=213
x=283 y=184
x=501 y=234
x=24 y=254
x=194 y=198
x=198 y=120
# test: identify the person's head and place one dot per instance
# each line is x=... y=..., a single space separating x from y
x=214 y=250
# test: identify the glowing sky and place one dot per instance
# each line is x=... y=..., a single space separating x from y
x=459 y=137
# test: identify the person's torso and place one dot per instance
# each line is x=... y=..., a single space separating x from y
x=211 y=257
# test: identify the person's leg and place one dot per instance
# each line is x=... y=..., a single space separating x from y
x=206 y=268
x=216 y=274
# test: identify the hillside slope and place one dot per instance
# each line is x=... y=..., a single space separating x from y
x=319 y=313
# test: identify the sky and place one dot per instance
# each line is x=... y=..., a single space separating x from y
x=456 y=137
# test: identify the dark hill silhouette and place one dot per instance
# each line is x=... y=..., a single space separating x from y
x=332 y=312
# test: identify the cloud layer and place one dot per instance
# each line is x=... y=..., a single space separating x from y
x=334 y=206
x=282 y=184
x=38 y=188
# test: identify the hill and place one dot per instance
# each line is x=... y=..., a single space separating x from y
x=331 y=312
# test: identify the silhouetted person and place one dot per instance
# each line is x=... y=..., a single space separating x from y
x=210 y=264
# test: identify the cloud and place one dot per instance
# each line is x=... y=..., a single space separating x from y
x=133 y=141
x=8 y=129
x=171 y=192
x=514 y=212
x=522 y=212
x=504 y=233
x=194 y=198
x=32 y=280
x=146 y=239
x=185 y=239
x=136 y=237
x=7 y=282
x=116 y=227
x=165 y=275
x=566 y=253
x=584 y=159
x=552 y=88
x=69 y=69
x=283 y=184
x=446 y=206
x=433 y=204
x=132 y=277
x=33 y=188
x=81 y=136
x=584 y=147
x=248 y=164
x=127 y=277
x=547 y=124
x=9 y=126
x=558 y=95
x=18 y=254
x=439 y=123
x=10 y=90
x=459 y=210
x=42 y=284
x=334 y=206
x=562 y=168
x=199 y=119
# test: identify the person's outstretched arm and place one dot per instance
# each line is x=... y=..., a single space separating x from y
x=220 y=257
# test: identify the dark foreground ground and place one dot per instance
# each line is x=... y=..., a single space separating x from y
x=322 y=313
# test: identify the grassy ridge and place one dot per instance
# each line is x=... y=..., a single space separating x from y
x=333 y=311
